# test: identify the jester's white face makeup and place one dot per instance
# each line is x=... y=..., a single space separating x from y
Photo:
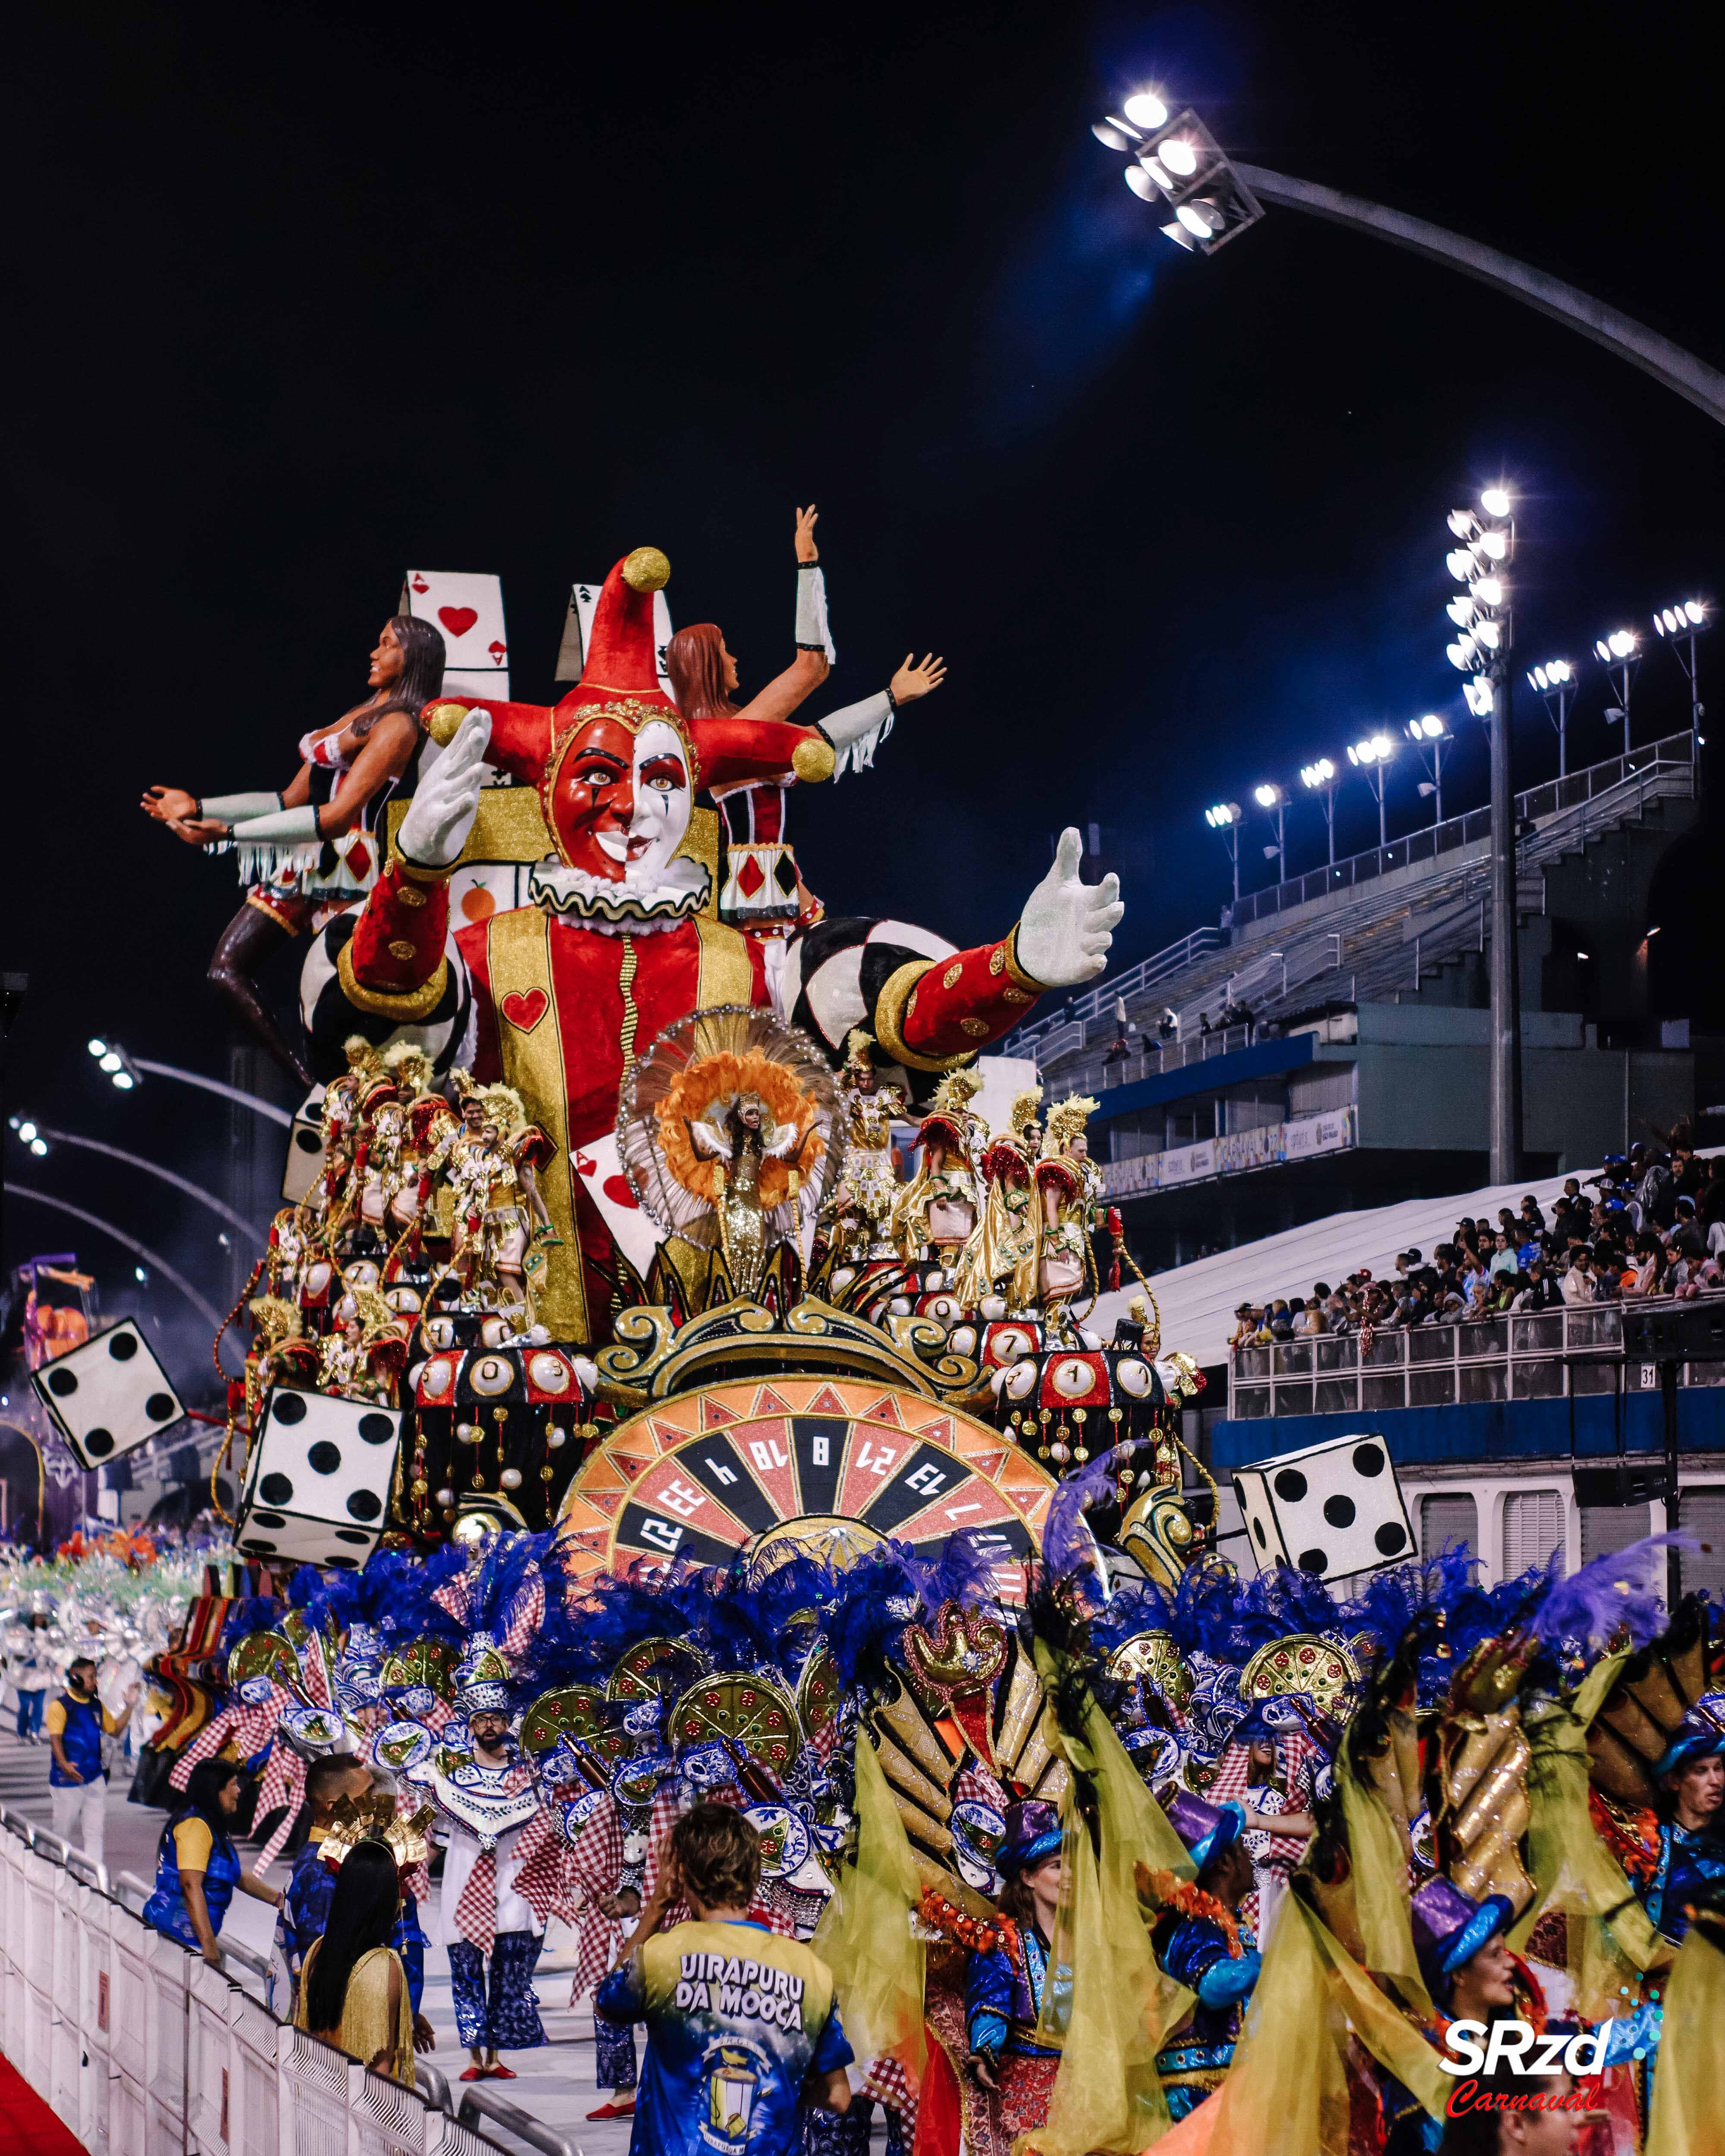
x=621 y=799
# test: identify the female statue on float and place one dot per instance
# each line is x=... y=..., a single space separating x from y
x=349 y=771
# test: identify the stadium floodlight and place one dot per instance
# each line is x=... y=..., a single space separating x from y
x=1275 y=803
x=116 y=1065
x=1434 y=740
x=1619 y=651
x=1481 y=700
x=1320 y=779
x=1495 y=502
x=1679 y=626
x=1145 y=109
x=1178 y=164
x=38 y=1147
x=1372 y=756
x=1556 y=683
x=26 y=1129
x=1225 y=816
x=1463 y=564
x=98 y=1047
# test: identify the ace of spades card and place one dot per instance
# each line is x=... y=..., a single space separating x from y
x=578 y=630
x=466 y=609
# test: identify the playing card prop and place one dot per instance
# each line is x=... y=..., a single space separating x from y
x=577 y=633
x=108 y=1396
x=317 y=1484
x=1332 y=1510
x=304 y=1149
x=468 y=612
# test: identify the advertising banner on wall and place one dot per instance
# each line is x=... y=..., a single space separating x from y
x=1267 y=1146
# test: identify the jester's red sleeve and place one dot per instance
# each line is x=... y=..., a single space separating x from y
x=937 y=1014
x=395 y=957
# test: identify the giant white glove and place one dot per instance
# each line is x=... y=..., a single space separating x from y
x=440 y=814
x=1066 y=927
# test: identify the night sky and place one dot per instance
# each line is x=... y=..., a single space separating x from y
x=310 y=293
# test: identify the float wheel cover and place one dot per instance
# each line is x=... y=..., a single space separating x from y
x=710 y=1475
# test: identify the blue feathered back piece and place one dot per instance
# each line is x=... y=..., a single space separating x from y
x=253 y=1613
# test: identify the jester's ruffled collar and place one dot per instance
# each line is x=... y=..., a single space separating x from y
x=620 y=909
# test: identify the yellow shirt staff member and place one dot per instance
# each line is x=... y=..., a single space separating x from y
x=197 y=1868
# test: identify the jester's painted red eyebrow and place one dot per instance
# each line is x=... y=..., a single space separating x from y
x=667 y=766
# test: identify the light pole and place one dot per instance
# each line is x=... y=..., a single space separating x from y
x=38 y=1137
x=1225 y=818
x=1620 y=654
x=1275 y=803
x=1434 y=740
x=1481 y=652
x=1679 y=625
x=1320 y=778
x=1214 y=199
x=1556 y=682
x=1372 y=756
x=205 y=1310
x=127 y=1072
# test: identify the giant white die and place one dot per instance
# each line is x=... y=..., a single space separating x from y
x=305 y=1149
x=108 y=1396
x=317 y=1484
x=1332 y=1510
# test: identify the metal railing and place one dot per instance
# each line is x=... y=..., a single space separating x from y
x=1549 y=1354
x=1555 y=797
x=483 y=2103
x=1091 y=1013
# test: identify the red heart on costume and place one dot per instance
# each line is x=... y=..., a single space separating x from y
x=458 y=620
x=499 y=652
x=524 y=1007
x=420 y=584
x=585 y=1164
x=616 y=1188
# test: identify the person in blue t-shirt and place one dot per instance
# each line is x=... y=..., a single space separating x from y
x=197 y=1868
x=743 y=2028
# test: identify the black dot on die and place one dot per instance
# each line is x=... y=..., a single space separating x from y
x=365 y=1504
x=160 y=1407
x=1339 y=1511
x=1313 y=1560
x=324 y=1457
x=289 y=1408
x=376 y=1429
x=351 y=1535
x=1290 y=1486
x=308 y=1140
x=269 y=1519
x=1369 y=1460
x=122 y=1346
x=1391 y=1536
x=1258 y=1530
x=258 y=1543
x=344 y=1564
x=99 y=1443
x=62 y=1383
x=276 y=1489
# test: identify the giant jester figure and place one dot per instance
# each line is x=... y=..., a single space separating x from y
x=557 y=997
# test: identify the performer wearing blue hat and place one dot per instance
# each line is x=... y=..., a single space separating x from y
x=1691 y=1855
x=1004 y=1985
x=1200 y=1941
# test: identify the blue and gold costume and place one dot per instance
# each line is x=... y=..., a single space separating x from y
x=1198 y=1952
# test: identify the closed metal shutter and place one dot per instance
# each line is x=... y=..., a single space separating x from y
x=1532 y=1529
x=1607 y=1527
x=1701 y=1513
x=1450 y=1519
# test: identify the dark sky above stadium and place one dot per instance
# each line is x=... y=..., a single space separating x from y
x=308 y=293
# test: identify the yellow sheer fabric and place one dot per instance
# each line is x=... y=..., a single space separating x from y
x=1689 y=2076
x=1287 y=2092
x=1112 y=2021
x=1380 y=1891
x=1612 y=1942
x=864 y=1935
x=367 y=2026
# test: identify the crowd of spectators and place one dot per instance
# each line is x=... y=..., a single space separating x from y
x=1652 y=1222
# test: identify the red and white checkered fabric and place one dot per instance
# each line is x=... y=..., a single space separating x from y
x=526 y=1613
x=248 y=1729
x=976 y=1785
x=887 y=2083
x=476 y=1911
x=284 y=1783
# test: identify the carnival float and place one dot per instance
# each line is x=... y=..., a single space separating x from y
x=609 y=1372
